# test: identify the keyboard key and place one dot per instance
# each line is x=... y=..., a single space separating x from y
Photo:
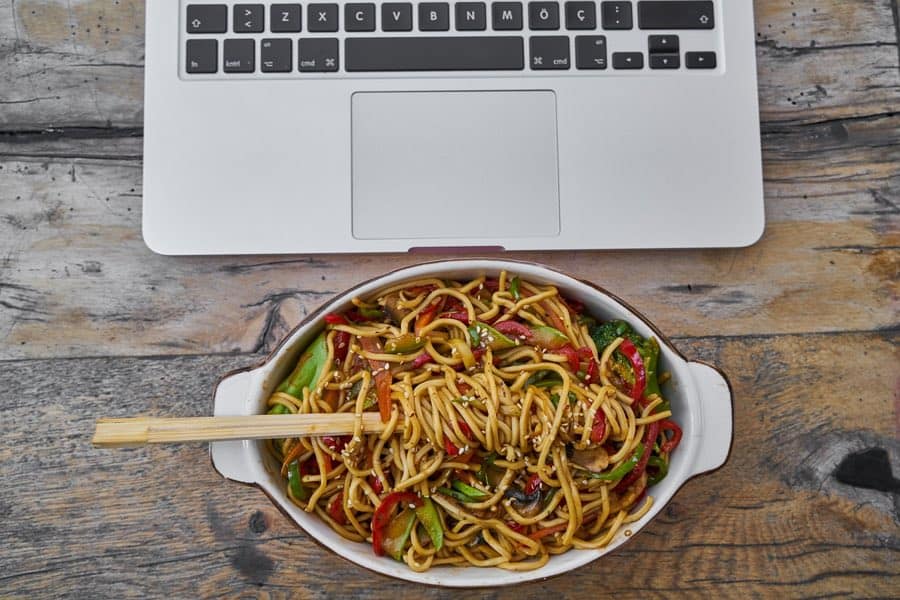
x=458 y=53
x=318 y=55
x=285 y=18
x=672 y=14
x=590 y=51
x=248 y=18
x=434 y=16
x=207 y=18
x=507 y=16
x=396 y=16
x=700 y=60
x=322 y=17
x=202 y=56
x=616 y=15
x=549 y=52
x=239 y=56
x=359 y=17
x=543 y=15
x=628 y=60
x=581 y=15
x=665 y=61
x=662 y=43
x=276 y=56
x=471 y=16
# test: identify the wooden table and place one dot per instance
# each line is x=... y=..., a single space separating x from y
x=92 y=323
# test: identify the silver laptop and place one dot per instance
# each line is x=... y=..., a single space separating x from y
x=390 y=126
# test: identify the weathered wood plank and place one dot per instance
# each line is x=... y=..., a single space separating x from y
x=159 y=522
x=78 y=63
x=76 y=279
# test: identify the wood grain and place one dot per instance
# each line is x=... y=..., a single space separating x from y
x=92 y=323
x=77 y=280
x=78 y=62
x=161 y=522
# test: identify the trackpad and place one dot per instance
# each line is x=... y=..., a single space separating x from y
x=454 y=165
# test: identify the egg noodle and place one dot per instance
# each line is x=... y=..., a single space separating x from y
x=511 y=436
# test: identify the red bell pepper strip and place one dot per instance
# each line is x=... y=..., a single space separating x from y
x=637 y=364
x=383 y=377
x=514 y=329
x=670 y=443
x=336 y=319
x=421 y=360
x=464 y=427
x=335 y=443
x=462 y=316
x=336 y=509
x=649 y=441
x=533 y=484
x=572 y=355
x=382 y=516
x=517 y=527
x=450 y=448
x=341 y=345
x=593 y=371
x=598 y=430
x=428 y=313
x=375 y=483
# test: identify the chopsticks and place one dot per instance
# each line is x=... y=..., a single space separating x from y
x=136 y=431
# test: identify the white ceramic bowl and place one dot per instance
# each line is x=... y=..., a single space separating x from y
x=699 y=394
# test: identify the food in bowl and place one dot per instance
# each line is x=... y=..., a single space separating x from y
x=518 y=425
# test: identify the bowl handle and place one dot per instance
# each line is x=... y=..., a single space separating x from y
x=716 y=417
x=231 y=458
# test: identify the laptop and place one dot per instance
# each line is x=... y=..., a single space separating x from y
x=394 y=126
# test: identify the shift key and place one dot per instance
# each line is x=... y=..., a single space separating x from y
x=672 y=14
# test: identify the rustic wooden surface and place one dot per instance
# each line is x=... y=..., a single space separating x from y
x=92 y=323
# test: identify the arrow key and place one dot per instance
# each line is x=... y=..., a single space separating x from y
x=248 y=18
x=700 y=60
x=628 y=60
x=665 y=61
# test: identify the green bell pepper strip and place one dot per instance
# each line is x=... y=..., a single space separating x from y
x=298 y=490
x=428 y=517
x=548 y=337
x=404 y=344
x=456 y=495
x=623 y=469
x=474 y=335
x=662 y=469
x=468 y=490
x=381 y=518
x=490 y=338
x=397 y=532
x=308 y=369
x=371 y=313
x=278 y=409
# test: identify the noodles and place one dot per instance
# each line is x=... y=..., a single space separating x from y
x=516 y=426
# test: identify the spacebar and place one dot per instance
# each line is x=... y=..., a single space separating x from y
x=435 y=54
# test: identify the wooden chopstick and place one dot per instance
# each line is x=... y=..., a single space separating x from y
x=135 y=431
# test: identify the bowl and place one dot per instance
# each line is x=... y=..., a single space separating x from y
x=700 y=396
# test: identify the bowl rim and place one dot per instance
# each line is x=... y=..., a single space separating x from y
x=318 y=313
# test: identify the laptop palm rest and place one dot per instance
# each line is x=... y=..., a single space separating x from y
x=453 y=165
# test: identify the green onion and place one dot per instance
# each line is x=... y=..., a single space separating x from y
x=514 y=288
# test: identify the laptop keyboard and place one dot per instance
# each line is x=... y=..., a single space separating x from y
x=329 y=39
